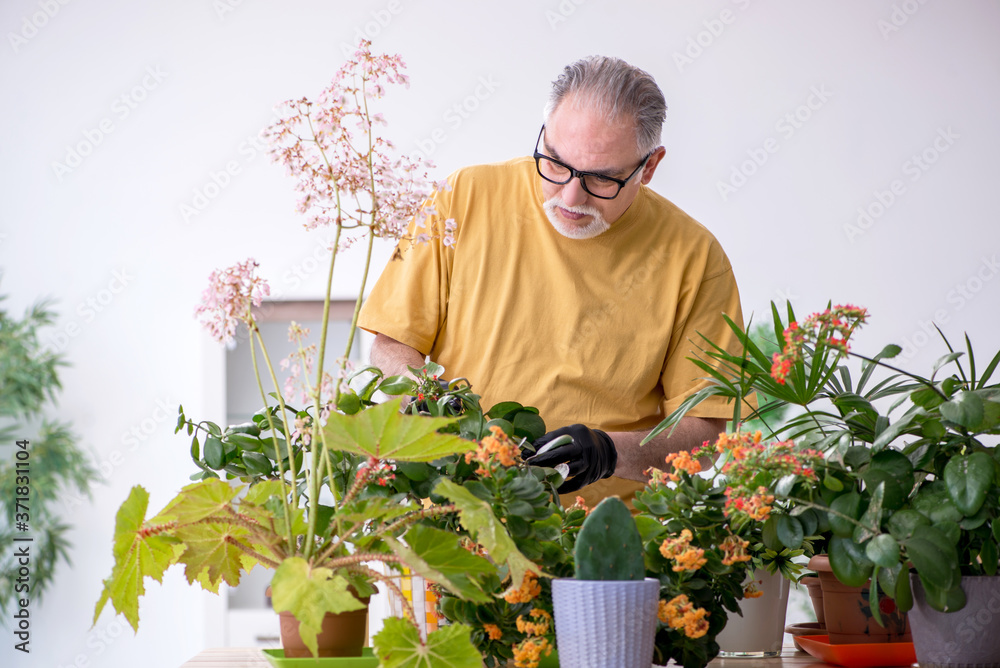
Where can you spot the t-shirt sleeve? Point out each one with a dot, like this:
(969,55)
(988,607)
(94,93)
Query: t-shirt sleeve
(409,302)
(700,321)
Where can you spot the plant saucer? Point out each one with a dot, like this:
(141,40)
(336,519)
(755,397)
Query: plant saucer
(862,655)
(276,657)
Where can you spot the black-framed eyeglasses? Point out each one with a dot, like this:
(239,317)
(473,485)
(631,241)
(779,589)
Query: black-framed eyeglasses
(601,186)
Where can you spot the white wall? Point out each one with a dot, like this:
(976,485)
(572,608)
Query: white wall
(894,76)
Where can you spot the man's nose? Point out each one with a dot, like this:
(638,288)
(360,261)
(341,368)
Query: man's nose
(573,193)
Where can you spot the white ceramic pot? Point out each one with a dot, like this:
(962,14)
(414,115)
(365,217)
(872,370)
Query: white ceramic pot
(761,630)
(602,623)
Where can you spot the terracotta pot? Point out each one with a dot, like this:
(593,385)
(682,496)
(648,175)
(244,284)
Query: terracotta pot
(847,611)
(342,634)
(814,586)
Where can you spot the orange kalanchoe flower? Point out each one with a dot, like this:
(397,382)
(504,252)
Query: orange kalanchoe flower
(679,550)
(751,591)
(832,328)
(495,449)
(493,631)
(528,653)
(680,614)
(734,550)
(527,592)
(682,461)
(536,628)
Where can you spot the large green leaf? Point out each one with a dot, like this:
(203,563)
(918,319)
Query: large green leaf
(210,551)
(965,408)
(438,556)
(384,433)
(477,516)
(849,562)
(309,593)
(884,551)
(138,554)
(398,645)
(197,501)
(968,478)
(933,557)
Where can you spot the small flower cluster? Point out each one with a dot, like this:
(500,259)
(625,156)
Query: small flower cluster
(734,550)
(680,614)
(528,653)
(229,298)
(345,172)
(748,458)
(830,328)
(376,471)
(494,450)
(682,461)
(752,591)
(756,505)
(679,550)
(528,590)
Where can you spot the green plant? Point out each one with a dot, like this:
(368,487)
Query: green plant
(911,486)
(308,491)
(42,461)
(608,546)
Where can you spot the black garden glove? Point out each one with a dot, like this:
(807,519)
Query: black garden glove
(591,456)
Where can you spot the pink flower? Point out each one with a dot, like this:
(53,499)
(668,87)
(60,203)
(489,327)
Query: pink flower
(229,297)
(347,175)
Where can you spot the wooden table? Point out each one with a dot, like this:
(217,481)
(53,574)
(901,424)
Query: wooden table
(248,657)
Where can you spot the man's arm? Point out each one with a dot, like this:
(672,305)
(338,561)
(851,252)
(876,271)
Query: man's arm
(633,459)
(393,357)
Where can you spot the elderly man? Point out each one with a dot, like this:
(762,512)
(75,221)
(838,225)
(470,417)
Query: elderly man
(571,286)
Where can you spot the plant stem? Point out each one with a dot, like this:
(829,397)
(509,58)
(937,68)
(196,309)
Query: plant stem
(270,423)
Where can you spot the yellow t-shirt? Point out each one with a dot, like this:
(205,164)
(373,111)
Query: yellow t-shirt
(594,331)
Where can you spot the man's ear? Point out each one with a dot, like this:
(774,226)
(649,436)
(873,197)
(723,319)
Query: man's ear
(650,168)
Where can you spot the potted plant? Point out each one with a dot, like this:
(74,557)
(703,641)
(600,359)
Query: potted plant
(907,490)
(606,614)
(304,489)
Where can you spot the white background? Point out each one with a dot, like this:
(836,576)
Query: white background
(107,238)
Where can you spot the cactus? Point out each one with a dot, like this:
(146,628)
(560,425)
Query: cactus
(608,546)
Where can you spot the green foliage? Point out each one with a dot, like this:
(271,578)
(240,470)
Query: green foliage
(608,546)
(59,476)
(916,483)
(398,645)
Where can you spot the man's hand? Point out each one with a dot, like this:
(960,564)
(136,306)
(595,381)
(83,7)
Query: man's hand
(590,456)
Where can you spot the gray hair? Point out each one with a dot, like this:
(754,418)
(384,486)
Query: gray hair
(616,90)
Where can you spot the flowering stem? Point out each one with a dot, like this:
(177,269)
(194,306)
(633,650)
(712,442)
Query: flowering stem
(420,514)
(387,581)
(253,553)
(251,323)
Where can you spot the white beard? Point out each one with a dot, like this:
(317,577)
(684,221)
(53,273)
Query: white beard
(596,226)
